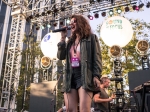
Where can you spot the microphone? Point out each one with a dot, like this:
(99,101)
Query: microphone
(62,29)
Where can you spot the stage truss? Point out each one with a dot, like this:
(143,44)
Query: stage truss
(39,11)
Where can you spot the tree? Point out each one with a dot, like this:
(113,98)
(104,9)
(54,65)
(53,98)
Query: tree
(131,60)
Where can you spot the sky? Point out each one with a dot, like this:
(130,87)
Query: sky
(141,15)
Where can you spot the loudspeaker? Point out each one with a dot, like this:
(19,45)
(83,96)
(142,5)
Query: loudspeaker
(42,98)
(135,79)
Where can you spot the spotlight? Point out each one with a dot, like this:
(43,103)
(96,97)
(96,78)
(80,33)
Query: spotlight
(142,47)
(61,23)
(127,9)
(141,5)
(103,14)
(55,24)
(111,12)
(137,8)
(115,51)
(43,14)
(46,61)
(119,10)
(43,26)
(37,28)
(68,21)
(96,15)
(62,8)
(134,7)
(55,10)
(48,25)
(31,16)
(37,15)
(90,17)
(148,5)
(49,11)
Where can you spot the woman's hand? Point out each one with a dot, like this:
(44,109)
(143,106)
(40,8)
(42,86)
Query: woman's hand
(96,82)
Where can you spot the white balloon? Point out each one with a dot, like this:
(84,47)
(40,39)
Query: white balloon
(116,31)
(49,44)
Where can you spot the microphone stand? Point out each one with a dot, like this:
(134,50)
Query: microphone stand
(54,91)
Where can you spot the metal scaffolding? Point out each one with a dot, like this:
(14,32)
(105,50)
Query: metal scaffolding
(13,59)
(21,9)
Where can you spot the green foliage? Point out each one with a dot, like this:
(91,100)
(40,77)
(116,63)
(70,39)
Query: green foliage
(130,59)
(27,70)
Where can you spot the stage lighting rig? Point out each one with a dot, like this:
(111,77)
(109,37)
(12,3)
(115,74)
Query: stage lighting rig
(127,9)
(148,5)
(96,15)
(46,62)
(141,48)
(111,12)
(119,10)
(103,14)
(115,51)
(141,5)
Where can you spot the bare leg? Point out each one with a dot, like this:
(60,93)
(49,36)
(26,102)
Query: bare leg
(71,100)
(85,100)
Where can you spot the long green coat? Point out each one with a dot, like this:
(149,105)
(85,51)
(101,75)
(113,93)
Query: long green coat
(91,62)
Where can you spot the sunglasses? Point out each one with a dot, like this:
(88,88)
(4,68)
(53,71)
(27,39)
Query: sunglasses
(73,21)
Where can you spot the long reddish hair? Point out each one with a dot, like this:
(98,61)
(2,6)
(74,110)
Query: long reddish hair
(83,27)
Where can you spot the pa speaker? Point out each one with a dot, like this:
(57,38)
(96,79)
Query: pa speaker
(42,98)
(137,78)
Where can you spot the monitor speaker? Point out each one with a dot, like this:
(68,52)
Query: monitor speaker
(42,98)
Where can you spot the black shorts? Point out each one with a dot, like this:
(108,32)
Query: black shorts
(76,78)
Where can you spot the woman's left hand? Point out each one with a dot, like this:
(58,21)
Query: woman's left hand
(96,82)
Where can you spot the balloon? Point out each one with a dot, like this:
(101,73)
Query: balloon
(49,44)
(116,31)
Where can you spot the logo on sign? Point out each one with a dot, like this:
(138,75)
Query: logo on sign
(46,38)
(114,24)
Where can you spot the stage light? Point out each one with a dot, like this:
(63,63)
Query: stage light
(62,8)
(115,51)
(49,12)
(43,26)
(46,61)
(103,14)
(55,24)
(142,47)
(111,12)
(31,16)
(48,25)
(148,5)
(96,15)
(141,5)
(90,17)
(61,22)
(137,8)
(55,10)
(68,21)
(119,10)
(127,9)
(134,7)
(43,14)
(37,15)
(37,28)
